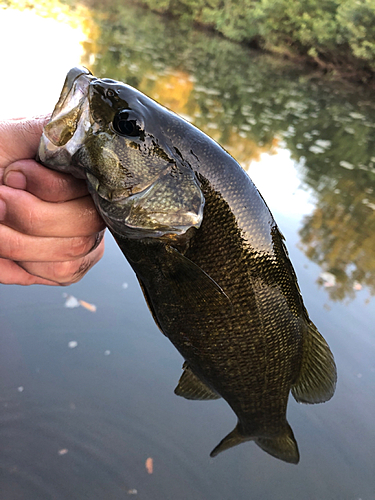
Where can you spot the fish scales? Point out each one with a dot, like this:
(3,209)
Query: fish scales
(206,250)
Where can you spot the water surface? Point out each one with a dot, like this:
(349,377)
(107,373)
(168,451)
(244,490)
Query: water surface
(80,420)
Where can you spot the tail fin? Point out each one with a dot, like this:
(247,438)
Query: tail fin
(283,446)
(232,439)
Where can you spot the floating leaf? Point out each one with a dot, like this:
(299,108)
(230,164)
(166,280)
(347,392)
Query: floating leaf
(87,305)
(150,465)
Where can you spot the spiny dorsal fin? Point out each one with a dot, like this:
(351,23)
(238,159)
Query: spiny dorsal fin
(317,379)
(191,387)
(284,447)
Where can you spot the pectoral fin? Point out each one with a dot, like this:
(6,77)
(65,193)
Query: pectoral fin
(317,379)
(190,281)
(191,387)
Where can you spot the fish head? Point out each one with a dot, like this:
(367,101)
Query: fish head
(124,144)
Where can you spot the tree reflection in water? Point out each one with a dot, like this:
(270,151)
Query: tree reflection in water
(253,104)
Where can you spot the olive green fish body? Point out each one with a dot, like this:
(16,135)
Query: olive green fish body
(206,250)
(230,340)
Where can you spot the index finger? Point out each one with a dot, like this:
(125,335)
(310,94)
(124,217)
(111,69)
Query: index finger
(20,138)
(42,182)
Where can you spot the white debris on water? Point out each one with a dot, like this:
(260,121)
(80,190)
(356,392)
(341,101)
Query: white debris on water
(323,143)
(349,130)
(71,301)
(107,353)
(72,344)
(357,116)
(20,388)
(367,202)
(63,451)
(125,286)
(316,149)
(329,279)
(346,164)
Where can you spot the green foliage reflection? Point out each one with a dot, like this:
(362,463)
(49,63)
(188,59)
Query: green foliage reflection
(251,103)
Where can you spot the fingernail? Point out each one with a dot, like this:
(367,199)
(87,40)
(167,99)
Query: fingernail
(15,179)
(3,209)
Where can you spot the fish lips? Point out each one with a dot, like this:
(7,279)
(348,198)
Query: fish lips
(63,134)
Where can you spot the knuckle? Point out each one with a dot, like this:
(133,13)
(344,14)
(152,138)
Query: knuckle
(84,266)
(62,272)
(12,248)
(80,246)
(61,186)
(69,272)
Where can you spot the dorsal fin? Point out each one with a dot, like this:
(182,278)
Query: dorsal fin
(317,379)
(191,387)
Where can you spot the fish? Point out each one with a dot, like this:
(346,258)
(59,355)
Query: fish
(207,252)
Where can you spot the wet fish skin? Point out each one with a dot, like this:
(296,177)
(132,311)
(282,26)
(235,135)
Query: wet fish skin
(206,250)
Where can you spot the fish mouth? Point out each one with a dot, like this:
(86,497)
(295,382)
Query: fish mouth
(63,134)
(69,108)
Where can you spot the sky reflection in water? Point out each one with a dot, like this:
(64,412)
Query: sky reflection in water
(309,147)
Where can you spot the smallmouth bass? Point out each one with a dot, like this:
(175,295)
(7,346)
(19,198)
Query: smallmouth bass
(206,250)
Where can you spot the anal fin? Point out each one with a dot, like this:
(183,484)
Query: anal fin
(191,387)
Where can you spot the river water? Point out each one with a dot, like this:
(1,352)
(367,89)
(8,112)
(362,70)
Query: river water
(87,403)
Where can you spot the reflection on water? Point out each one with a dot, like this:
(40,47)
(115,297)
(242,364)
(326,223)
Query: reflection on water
(54,36)
(251,107)
(249,103)
(84,423)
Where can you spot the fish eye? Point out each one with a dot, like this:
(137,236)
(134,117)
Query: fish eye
(124,125)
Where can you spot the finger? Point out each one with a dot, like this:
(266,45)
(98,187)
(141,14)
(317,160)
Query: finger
(46,184)
(64,273)
(13,274)
(22,247)
(21,137)
(30,215)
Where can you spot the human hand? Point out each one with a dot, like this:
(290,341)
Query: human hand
(50,232)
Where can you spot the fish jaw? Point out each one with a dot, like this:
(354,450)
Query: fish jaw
(69,123)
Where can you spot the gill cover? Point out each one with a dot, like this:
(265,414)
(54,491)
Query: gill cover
(170,205)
